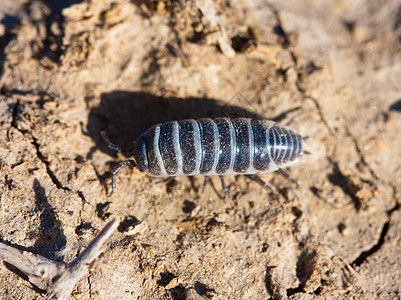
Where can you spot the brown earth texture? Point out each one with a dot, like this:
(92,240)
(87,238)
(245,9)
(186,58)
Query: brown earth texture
(71,69)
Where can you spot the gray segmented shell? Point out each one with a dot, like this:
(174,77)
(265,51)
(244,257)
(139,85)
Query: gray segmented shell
(219,146)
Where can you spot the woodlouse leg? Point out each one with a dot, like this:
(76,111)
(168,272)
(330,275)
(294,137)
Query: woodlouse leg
(223,185)
(288,176)
(166,180)
(132,163)
(262,182)
(207,179)
(293,119)
(114,146)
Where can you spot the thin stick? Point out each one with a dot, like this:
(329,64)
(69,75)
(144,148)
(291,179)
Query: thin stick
(40,270)
(64,285)
(56,278)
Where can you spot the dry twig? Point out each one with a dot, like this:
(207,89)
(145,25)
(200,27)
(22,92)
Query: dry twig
(58,279)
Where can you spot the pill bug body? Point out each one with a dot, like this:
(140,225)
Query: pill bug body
(219,146)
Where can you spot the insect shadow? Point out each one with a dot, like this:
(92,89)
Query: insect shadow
(126,115)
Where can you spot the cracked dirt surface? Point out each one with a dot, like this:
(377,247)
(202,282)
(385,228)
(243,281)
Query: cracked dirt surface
(70,70)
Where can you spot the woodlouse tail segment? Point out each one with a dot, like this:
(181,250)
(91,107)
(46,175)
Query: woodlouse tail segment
(305,152)
(131,162)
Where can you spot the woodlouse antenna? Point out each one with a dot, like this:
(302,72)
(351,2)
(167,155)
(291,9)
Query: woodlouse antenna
(130,162)
(112,146)
(109,144)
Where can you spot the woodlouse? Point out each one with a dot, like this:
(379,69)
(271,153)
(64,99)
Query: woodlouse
(219,146)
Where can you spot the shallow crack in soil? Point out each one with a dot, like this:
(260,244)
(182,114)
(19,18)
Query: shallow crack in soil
(91,294)
(319,110)
(41,157)
(52,175)
(47,165)
(360,153)
(286,44)
(365,254)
